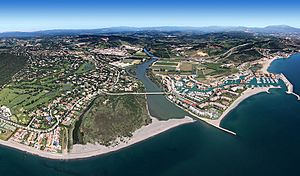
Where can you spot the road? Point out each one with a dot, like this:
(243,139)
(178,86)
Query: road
(137,93)
(231,50)
(2,119)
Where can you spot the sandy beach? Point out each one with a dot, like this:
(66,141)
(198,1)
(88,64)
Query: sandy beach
(91,150)
(156,127)
(247,93)
(266,64)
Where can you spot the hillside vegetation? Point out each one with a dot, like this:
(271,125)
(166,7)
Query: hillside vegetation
(10,65)
(114,116)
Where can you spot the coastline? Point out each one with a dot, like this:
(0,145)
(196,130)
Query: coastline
(246,94)
(156,127)
(91,150)
(266,63)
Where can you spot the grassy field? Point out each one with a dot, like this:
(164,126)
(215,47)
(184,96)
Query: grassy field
(21,101)
(256,67)
(85,67)
(114,116)
(166,63)
(140,54)
(212,69)
(36,87)
(24,97)
(163,68)
(215,69)
(6,131)
(186,67)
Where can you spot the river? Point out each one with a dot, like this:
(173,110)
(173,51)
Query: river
(158,105)
(267,144)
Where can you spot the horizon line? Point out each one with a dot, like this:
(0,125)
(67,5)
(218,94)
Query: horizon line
(137,27)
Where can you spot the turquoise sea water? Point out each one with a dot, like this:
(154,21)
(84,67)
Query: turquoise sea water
(267,143)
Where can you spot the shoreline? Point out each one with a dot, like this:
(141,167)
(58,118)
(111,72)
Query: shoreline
(157,127)
(267,63)
(205,120)
(246,94)
(80,151)
(250,92)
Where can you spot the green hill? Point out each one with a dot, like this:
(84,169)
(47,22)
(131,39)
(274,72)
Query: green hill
(10,65)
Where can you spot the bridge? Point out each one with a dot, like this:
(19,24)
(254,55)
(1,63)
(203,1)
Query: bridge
(137,93)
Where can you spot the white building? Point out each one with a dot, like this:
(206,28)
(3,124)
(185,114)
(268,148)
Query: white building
(5,112)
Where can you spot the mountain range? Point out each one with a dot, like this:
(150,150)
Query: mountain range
(277,29)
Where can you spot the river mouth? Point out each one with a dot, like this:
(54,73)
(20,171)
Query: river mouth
(159,106)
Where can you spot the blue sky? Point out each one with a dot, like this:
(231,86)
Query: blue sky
(31,15)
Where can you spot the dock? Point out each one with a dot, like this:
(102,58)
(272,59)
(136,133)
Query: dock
(289,85)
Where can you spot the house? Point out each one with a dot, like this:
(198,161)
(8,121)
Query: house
(5,112)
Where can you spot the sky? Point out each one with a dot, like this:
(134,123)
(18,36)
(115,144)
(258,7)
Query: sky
(32,15)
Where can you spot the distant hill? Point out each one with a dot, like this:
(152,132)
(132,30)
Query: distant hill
(267,30)
(276,29)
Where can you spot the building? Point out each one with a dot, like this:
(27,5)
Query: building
(5,112)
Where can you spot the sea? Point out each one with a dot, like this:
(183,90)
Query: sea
(267,144)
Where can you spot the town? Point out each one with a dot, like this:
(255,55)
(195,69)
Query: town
(63,76)
(57,84)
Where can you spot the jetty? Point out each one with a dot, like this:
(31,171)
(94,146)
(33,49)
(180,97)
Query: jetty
(207,121)
(289,85)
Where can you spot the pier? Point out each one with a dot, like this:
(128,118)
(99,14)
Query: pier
(289,85)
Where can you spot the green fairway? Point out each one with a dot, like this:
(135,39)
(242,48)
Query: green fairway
(86,67)
(25,97)
(166,63)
